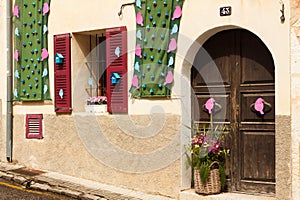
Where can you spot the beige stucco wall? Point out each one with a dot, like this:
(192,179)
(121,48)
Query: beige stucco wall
(2,80)
(295,97)
(64,149)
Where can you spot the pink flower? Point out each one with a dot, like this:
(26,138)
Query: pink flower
(97,100)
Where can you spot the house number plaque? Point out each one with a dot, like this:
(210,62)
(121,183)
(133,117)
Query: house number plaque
(225,11)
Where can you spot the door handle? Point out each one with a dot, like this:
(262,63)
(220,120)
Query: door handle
(261,106)
(211,106)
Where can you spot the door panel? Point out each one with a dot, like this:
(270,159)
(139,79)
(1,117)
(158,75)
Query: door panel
(249,115)
(238,71)
(222,116)
(257,145)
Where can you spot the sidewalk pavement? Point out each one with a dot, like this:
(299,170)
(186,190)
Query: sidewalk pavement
(70,186)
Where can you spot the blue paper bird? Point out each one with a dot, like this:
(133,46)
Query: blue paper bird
(61,93)
(45,72)
(90,81)
(137,66)
(171,61)
(45,89)
(17,32)
(117,52)
(16,93)
(45,29)
(138,4)
(17,75)
(139,35)
(174,29)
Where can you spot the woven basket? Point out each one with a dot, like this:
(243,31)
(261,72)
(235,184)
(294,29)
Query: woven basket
(213,183)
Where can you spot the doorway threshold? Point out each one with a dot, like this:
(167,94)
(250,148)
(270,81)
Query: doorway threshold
(191,195)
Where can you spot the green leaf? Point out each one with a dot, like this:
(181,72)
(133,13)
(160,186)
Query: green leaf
(204,172)
(222,176)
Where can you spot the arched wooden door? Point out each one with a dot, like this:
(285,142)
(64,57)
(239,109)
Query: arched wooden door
(240,71)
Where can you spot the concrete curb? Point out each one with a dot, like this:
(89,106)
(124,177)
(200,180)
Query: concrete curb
(70,186)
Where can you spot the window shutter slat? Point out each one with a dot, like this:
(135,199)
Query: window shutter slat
(34,128)
(62,74)
(116,56)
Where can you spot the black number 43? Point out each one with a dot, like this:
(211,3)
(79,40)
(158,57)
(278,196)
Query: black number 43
(225,11)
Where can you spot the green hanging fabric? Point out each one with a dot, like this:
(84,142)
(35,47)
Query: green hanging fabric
(31,73)
(156,44)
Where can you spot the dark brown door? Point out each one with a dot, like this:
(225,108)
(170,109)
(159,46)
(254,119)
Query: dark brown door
(236,69)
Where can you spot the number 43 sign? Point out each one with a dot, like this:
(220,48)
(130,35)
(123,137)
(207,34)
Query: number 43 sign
(225,11)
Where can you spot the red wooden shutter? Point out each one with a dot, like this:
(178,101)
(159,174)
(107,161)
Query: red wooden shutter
(116,41)
(34,126)
(62,74)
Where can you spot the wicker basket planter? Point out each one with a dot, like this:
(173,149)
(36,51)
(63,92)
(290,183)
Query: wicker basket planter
(213,183)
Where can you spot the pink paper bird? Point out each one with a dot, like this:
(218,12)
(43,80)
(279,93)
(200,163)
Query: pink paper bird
(172,45)
(44,54)
(169,78)
(177,13)
(209,105)
(16,55)
(259,105)
(16,11)
(139,19)
(138,50)
(45,8)
(135,81)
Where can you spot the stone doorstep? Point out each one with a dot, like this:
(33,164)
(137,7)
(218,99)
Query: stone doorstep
(191,195)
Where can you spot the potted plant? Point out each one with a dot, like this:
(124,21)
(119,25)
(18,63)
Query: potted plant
(208,156)
(97,104)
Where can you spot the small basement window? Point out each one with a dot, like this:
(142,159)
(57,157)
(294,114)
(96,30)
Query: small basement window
(34,126)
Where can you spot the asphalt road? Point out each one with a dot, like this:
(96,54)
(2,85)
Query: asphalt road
(10,191)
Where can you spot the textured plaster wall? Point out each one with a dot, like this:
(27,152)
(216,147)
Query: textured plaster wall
(61,150)
(3,60)
(283,158)
(3,74)
(295,96)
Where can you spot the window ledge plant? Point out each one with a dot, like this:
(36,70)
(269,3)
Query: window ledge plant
(97,100)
